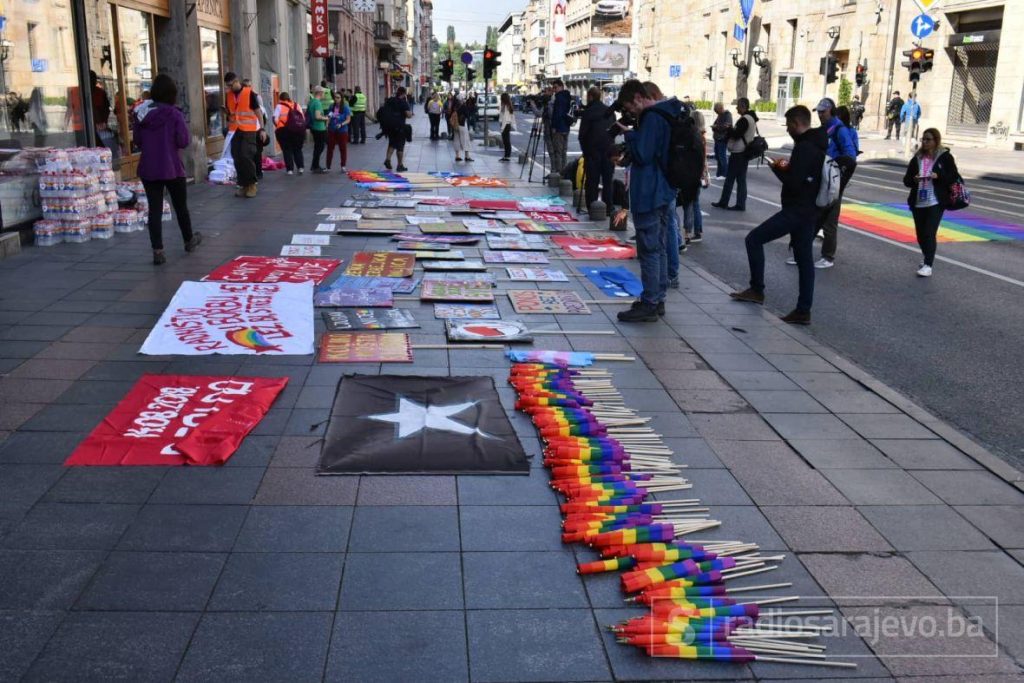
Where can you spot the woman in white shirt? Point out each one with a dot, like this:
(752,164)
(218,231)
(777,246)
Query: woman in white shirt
(507,123)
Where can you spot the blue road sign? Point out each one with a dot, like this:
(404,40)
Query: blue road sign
(922,26)
(467,57)
(675,70)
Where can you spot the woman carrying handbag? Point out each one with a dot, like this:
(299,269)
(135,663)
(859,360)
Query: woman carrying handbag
(933,178)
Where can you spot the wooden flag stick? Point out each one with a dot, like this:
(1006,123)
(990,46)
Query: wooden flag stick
(573,332)
(459,346)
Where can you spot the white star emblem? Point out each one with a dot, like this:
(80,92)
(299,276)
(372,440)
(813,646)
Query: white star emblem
(413,417)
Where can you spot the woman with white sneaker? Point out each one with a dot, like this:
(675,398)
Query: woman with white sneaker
(930,174)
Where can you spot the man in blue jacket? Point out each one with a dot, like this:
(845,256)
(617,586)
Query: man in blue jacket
(843,149)
(910,114)
(651,198)
(561,103)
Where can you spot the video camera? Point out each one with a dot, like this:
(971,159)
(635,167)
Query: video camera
(625,118)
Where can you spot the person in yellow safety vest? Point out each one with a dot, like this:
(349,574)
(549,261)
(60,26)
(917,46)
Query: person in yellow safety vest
(245,122)
(359,118)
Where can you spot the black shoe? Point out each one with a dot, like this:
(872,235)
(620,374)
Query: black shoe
(797,318)
(401,168)
(749,295)
(469,158)
(197,239)
(387,164)
(720,205)
(736,208)
(661,308)
(640,312)
(158,258)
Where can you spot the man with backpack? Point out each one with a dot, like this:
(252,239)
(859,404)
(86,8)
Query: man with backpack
(742,148)
(561,122)
(651,194)
(391,117)
(801,177)
(843,150)
(290,130)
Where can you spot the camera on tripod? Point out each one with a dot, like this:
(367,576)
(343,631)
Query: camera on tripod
(625,118)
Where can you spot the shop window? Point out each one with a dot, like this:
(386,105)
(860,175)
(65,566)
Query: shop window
(135,31)
(214,46)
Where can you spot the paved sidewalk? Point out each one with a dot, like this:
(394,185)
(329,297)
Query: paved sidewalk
(262,571)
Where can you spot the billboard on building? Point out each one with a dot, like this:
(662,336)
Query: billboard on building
(609,57)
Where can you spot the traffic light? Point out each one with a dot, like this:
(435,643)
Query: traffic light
(491,63)
(709,73)
(915,62)
(334,66)
(928,60)
(470,74)
(829,68)
(861,75)
(447,68)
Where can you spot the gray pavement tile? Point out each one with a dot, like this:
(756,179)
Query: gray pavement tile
(693,452)
(307,422)
(76,351)
(122,645)
(772,345)
(825,529)
(45,579)
(298,486)
(96,334)
(44,368)
(871,579)
(25,484)
(68,526)
(254,451)
(632,664)
(710,401)
(805,426)
(664,361)
(672,344)
(921,652)
(1005,620)
(506,490)
(644,400)
(432,646)
(184,528)
(814,382)
(15,415)
(14,390)
(774,401)
(925,527)
(522,580)
(417,490)
(67,418)
(313,529)
(963,574)
(404,528)
(33,332)
(1004,524)
(925,454)
(22,349)
(746,362)
(881,487)
(248,647)
(681,382)
(275,422)
(671,424)
(268,582)
(719,345)
(106,484)
(315,397)
(144,581)
(745,522)
(121,371)
(740,426)
(22,636)
(826,454)
(513,645)
(712,487)
(8,364)
(862,401)
(792,362)
(214,485)
(495,527)
(136,321)
(297,451)
(95,392)
(386,581)
(969,488)
(886,426)
(783,480)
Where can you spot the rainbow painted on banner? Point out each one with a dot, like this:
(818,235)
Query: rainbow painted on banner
(895,222)
(251,339)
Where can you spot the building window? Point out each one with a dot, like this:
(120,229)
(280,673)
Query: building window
(33,37)
(212,56)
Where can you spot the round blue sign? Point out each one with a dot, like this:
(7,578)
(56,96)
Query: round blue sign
(467,58)
(922,26)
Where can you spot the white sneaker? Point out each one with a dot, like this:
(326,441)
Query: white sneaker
(791,261)
(301,171)
(823,263)
(290,173)
(924,271)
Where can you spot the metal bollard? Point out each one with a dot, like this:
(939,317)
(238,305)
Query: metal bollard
(554,179)
(598,211)
(565,188)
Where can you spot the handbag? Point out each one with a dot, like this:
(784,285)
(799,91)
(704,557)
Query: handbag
(959,195)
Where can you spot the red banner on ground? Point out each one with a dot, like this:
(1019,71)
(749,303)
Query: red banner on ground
(179,420)
(494,204)
(274,269)
(318,15)
(595,249)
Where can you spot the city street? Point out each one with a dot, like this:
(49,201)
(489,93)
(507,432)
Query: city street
(952,342)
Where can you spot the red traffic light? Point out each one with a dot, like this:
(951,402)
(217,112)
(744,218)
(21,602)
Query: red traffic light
(488,54)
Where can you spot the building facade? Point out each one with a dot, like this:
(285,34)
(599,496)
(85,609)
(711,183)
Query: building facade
(511,43)
(597,44)
(351,39)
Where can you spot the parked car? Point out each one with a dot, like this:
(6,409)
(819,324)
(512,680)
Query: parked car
(493,105)
(612,8)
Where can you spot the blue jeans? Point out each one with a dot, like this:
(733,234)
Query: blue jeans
(800,225)
(652,229)
(672,243)
(693,219)
(737,173)
(720,156)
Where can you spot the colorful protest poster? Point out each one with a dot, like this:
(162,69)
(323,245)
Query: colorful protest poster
(368,319)
(398,285)
(444,276)
(381,264)
(536,275)
(321,240)
(444,311)
(365,347)
(517,243)
(535,258)
(274,269)
(486,331)
(441,239)
(439,254)
(439,228)
(421,246)
(595,249)
(443,290)
(534,226)
(551,216)
(179,420)
(370,297)
(540,301)
(445,265)
(299,250)
(326,227)
(235,318)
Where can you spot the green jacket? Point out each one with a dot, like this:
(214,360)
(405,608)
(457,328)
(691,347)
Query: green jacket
(360,104)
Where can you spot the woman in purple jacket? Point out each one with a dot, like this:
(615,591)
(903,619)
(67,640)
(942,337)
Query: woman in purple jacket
(160,131)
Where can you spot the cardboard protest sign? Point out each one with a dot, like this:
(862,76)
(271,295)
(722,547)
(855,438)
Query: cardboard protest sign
(536,275)
(371,296)
(365,347)
(486,331)
(349,319)
(540,301)
(438,290)
(381,264)
(515,257)
(443,311)
(274,269)
(299,250)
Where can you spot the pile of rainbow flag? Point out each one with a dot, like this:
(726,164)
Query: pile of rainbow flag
(608,464)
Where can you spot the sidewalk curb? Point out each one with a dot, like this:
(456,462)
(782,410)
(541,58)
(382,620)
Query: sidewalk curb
(953,436)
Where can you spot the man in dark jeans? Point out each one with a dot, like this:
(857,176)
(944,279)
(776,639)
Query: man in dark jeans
(892,115)
(358,106)
(801,178)
(596,144)
(739,137)
(720,133)
(561,103)
(245,119)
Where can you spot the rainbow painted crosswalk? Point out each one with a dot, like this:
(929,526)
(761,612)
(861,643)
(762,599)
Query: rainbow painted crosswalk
(895,222)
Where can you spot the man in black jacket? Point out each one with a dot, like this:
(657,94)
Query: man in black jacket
(892,115)
(596,144)
(801,178)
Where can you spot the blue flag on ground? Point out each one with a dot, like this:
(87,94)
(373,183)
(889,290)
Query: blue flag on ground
(617,281)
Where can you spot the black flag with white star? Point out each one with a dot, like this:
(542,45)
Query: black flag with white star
(398,424)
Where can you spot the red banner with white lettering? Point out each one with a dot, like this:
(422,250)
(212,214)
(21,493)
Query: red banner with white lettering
(318,13)
(179,420)
(274,269)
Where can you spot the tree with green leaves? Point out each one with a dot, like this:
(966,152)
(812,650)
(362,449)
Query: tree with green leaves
(451,34)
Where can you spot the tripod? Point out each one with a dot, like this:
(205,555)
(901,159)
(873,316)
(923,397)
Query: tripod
(532,145)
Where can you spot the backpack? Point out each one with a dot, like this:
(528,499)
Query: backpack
(387,116)
(828,189)
(295,122)
(757,147)
(685,158)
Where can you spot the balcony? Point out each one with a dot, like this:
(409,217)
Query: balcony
(382,32)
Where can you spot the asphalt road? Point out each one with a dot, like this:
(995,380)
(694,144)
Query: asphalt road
(953,342)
